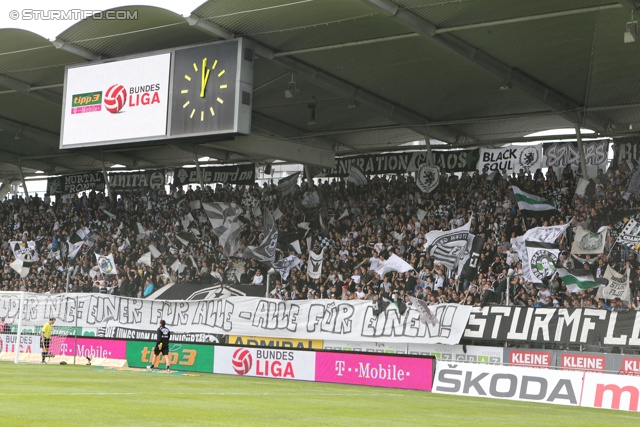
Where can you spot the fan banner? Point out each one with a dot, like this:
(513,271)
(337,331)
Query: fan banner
(561,154)
(374,164)
(235,174)
(544,325)
(427,178)
(510,158)
(73,184)
(131,181)
(244,316)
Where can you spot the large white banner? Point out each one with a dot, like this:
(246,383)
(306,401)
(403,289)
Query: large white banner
(131,318)
(116,101)
(510,159)
(509,382)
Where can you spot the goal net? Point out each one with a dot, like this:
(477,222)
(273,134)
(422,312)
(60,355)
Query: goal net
(21,339)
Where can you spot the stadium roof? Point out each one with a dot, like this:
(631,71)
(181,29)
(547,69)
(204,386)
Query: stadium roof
(379,73)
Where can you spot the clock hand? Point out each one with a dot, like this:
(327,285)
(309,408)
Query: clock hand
(205,77)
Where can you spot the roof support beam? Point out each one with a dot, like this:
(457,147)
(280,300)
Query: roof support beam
(76,50)
(631,4)
(275,148)
(516,78)
(339,87)
(21,87)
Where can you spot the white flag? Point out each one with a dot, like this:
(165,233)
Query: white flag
(586,242)
(276,214)
(421,214)
(145,259)
(394,263)
(617,286)
(296,246)
(154,251)
(106,264)
(344,214)
(314,266)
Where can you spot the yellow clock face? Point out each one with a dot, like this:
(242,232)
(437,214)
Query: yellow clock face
(203,89)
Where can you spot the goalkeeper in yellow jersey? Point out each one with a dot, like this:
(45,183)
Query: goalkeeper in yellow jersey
(162,346)
(45,338)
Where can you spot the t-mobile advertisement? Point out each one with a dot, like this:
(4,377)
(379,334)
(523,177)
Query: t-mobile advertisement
(370,369)
(108,349)
(415,373)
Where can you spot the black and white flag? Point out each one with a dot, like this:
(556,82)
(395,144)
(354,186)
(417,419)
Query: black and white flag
(427,178)
(617,285)
(311,199)
(226,225)
(266,251)
(285,265)
(630,234)
(468,267)
(314,266)
(356,175)
(20,249)
(288,184)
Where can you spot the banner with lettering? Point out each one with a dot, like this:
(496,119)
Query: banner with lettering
(626,149)
(447,161)
(234,174)
(588,326)
(73,184)
(510,158)
(247,316)
(130,181)
(560,154)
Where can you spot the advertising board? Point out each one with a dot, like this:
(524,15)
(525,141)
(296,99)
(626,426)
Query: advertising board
(182,356)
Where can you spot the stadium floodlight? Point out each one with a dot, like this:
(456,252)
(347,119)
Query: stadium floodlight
(291,89)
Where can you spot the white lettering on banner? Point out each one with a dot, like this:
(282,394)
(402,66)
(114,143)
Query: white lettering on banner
(562,154)
(610,391)
(549,325)
(510,159)
(529,358)
(631,364)
(582,362)
(245,316)
(508,382)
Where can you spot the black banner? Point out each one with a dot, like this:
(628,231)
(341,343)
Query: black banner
(624,149)
(555,325)
(560,154)
(129,181)
(448,161)
(72,184)
(235,174)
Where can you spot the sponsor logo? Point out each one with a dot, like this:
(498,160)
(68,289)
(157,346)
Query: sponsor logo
(503,384)
(86,102)
(582,362)
(274,342)
(615,395)
(529,358)
(242,361)
(631,364)
(115,98)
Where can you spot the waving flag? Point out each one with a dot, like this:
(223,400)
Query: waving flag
(314,266)
(288,184)
(266,251)
(285,265)
(577,280)
(531,204)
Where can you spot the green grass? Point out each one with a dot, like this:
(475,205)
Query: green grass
(56,395)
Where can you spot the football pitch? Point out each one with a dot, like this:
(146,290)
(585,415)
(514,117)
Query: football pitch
(67,395)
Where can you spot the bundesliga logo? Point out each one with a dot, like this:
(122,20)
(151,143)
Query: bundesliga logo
(115,98)
(242,361)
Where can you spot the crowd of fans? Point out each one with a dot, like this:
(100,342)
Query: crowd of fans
(381,219)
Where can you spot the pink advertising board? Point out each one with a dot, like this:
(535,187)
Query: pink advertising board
(109,349)
(415,373)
